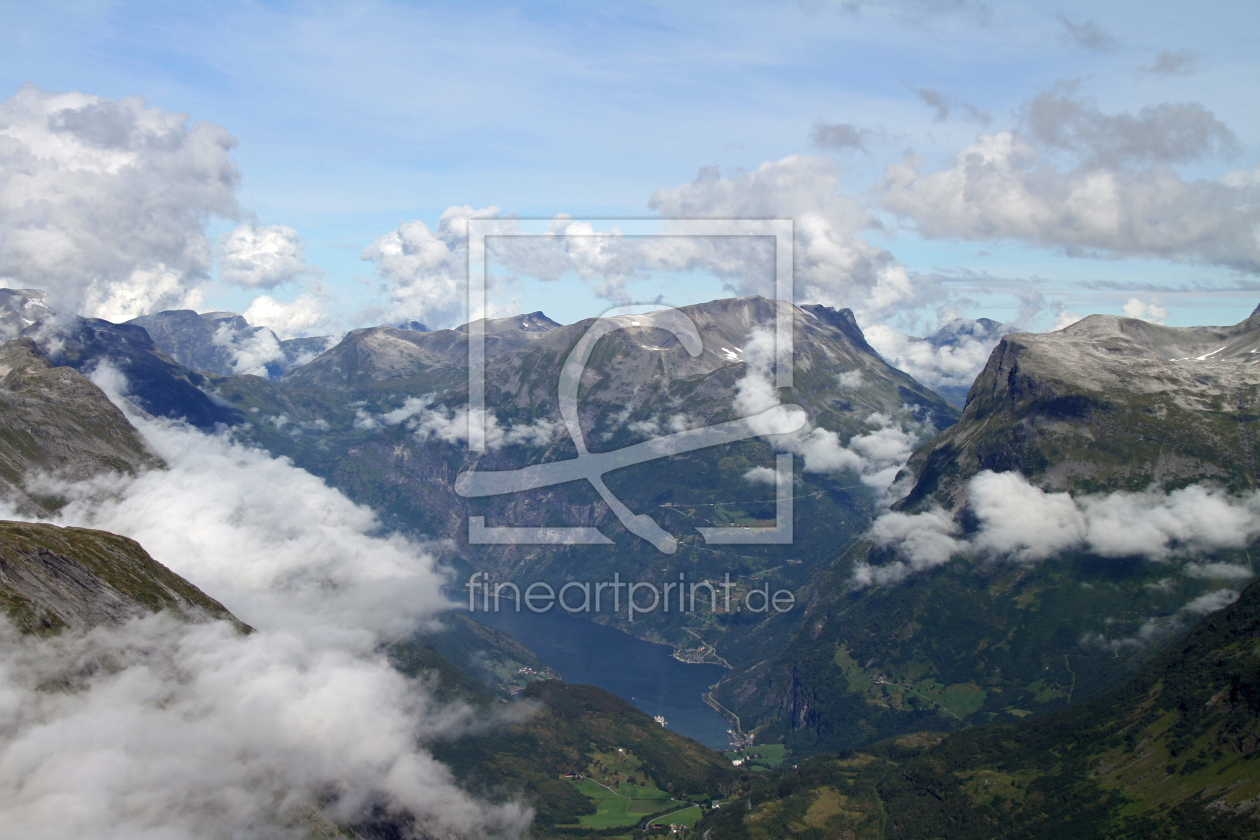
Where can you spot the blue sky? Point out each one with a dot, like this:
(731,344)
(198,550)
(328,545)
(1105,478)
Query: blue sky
(354,118)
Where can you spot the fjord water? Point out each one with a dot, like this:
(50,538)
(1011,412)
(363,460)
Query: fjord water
(640,672)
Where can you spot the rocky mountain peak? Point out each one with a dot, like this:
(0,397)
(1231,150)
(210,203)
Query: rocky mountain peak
(20,309)
(1107,402)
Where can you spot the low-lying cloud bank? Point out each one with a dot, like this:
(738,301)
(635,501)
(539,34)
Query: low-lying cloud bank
(163,729)
(1023,523)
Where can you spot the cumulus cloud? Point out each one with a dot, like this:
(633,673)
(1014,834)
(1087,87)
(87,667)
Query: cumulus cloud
(1171,132)
(103,202)
(999,187)
(262,257)
(924,541)
(762,475)
(425,271)
(833,263)
(1152,310)
(309,314)
(1019,522)
(949,360)
(1064,318)
(250,353)
(163,729)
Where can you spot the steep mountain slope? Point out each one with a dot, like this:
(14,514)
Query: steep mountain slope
(52,578)
(640,384)
(224,343)
(1169,754)
(54,420)
(580,729)
(1107,403)
(491,657)
(937,628)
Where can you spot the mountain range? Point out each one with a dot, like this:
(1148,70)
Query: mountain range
(986,591)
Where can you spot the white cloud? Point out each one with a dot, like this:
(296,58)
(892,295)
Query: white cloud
(1211,602)
(450,425)
(250,353)
(160,729)
(876,455)
(426,271)
(833,264)
(952,363)
(163,729)
(850,380)
(1063,318)
(999,187)
(1155,629)
(1020,522)
(309,314)
(1217,571)
(924,540)
(262,257)
(762,475)
(1151,311)
(103,202)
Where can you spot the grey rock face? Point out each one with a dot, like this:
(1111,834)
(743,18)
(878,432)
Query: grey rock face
(1107,403)
(54,420)
(19,310)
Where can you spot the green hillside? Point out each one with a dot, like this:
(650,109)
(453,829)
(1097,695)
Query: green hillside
(1174,752)
(582,730)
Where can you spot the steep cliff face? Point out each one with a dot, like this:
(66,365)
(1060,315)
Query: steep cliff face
(1107,403)
(54,420)
(53,578)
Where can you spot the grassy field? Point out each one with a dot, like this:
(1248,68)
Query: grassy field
(626,807)
(761,756)
(689,817)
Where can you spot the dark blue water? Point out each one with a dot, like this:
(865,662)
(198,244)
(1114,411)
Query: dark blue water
(643,673)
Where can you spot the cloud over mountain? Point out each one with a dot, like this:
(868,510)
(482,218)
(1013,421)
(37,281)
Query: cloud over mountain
(1020,522)
(103,202)
(175,730)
